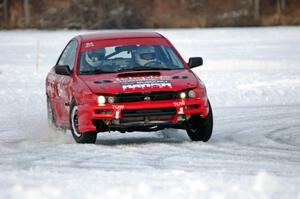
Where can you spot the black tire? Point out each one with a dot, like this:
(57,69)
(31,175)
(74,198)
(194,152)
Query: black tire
(200,129)
(86,137)
(51,116)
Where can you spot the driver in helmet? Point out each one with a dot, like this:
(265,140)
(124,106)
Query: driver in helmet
(146,56)
(95,57)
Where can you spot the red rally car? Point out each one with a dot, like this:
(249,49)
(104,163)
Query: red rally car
(126,81)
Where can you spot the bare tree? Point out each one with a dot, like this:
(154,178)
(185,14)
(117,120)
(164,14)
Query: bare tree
(26,11)
(5,13)
(278,2)
(256,9)
(283,4)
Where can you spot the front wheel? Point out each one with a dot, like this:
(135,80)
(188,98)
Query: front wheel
(200,129)
(87,137)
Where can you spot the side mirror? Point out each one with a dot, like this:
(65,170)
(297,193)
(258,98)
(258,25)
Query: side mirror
(195,61)
(62,70)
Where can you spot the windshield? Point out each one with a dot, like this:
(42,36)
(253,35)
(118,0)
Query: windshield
(115,59)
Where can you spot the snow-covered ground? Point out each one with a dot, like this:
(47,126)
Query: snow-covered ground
(253,80)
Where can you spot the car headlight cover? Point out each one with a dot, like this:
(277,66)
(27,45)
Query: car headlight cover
(111,99)
(182,95)
(191,94)
(101,99)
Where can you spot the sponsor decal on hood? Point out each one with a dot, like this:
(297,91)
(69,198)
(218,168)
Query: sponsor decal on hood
(133,83)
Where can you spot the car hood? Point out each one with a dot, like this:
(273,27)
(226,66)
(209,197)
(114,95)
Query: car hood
(140,81)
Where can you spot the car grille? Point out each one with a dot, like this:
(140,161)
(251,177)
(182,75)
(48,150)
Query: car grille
(148,115)
(151,96)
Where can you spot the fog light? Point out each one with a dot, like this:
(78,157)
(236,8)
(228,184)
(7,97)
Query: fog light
(192,107)
(111,100)
(182,95)
(103,111)
(181,117)
(115,121)
(101,100)
(191,94)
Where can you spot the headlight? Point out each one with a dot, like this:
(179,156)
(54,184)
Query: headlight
(101,99)
(182,95)
(191,94)
(111,99)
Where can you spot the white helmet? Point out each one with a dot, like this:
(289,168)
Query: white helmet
(144,55)
(95,57)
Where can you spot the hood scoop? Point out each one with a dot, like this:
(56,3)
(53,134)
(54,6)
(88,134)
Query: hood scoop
(179,77)
(103,81)
(139,74)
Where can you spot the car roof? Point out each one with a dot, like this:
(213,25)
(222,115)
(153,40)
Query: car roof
(118,35)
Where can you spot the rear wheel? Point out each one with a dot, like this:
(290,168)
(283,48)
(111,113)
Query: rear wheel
(200,129)
(86,137)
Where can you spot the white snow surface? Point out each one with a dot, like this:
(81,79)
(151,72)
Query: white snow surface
(253,81)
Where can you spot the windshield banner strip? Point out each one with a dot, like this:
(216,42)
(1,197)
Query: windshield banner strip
(91,45)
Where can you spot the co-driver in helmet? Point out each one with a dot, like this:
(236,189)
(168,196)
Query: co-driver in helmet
(95,57)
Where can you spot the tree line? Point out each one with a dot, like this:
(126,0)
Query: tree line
(98,14)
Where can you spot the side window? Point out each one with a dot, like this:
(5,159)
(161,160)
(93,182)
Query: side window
(69,55)
(174,58)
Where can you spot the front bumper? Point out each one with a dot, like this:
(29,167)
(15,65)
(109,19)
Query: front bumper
(111,114)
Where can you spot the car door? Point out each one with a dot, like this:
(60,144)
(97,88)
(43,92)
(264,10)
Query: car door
(64,82)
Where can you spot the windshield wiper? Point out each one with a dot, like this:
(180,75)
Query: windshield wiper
(141,68)
(149,68)
(96,71)
(138,68)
